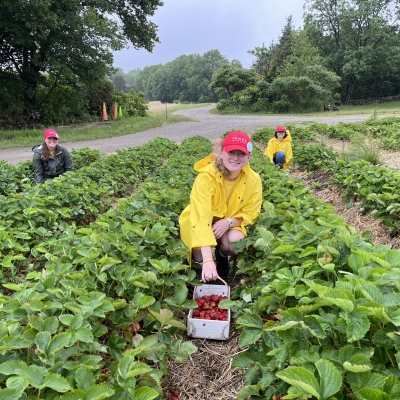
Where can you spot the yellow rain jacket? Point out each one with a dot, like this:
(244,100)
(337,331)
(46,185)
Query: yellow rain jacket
(274,145)
(207,201)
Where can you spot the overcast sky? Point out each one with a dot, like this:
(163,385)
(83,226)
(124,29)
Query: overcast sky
(196,26)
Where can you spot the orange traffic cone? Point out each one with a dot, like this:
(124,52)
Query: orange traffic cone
(105,116)
(115,111)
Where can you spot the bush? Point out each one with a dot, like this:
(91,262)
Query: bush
(62,105)
(132,103)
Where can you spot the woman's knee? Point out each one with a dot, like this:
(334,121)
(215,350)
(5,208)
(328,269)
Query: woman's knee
(227,241)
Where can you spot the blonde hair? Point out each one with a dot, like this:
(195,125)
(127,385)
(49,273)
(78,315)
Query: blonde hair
(220,167)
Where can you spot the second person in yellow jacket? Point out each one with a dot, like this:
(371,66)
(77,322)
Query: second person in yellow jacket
(279,149)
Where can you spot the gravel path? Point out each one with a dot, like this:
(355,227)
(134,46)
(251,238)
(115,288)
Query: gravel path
(208,125)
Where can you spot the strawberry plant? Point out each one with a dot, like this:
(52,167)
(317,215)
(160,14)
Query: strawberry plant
(327,289)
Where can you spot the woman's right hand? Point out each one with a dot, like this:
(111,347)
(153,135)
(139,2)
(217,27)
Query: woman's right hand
(209,272)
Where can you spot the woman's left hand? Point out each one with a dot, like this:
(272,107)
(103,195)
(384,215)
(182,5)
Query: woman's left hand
(220,227)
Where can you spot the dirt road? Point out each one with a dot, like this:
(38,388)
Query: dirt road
(207,125)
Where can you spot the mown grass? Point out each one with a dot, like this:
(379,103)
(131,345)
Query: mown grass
(96,130)
(384,108)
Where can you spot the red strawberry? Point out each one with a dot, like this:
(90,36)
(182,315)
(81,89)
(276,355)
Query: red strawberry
(214,298)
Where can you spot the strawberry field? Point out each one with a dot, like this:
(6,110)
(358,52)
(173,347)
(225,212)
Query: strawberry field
(94,280)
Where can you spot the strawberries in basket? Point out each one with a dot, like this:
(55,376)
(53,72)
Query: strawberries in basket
(208,308)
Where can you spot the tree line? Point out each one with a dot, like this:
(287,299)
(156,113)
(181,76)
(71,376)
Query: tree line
(345,50)
(56,61)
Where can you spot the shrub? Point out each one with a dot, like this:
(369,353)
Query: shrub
(132,103)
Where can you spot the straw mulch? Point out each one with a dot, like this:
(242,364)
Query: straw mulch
(207,374)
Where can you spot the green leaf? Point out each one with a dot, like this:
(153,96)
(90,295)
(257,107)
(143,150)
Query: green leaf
(313,325)
(82,334)
(302,379)
(266,239)
(56,382)
(10,394)
(9,367)
(145,393)
(319,289)
(286,248)
(339,298)
(182,350)
(165,317)
(84,379)
(42,340)
(76,322)
(355,262)
(357,324)
(282,327)
(146,301)
(124,366)
(250,321)
(99,392)
(17,383)
(393,257)
(330,378)
(372,394)
(59,341)
(248,391)
(13,286)
(181,293)
(358,363)
(138,369)
(249,336)
(33,374)
(96,392)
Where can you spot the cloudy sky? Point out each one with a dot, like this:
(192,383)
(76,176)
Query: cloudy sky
(196,26)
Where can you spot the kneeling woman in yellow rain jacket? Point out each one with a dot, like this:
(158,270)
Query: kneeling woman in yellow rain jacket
(226,197)
(279,149)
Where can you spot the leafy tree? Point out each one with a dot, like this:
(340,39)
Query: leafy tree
(119,83)
(236,63)
(305,60)
(68,40)
(228,80)
(263,60)
(118,78)
(359,40)
(142,80)
(131,77)
(267,60)
(283,48)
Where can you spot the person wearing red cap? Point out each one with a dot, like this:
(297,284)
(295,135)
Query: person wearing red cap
(279,148)
(226,197)
(49,158)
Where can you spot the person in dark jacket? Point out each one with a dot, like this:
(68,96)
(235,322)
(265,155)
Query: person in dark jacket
(50,160)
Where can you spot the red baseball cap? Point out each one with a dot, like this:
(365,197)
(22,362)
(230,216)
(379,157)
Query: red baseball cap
(237,141)
(280,129)
(50,133)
